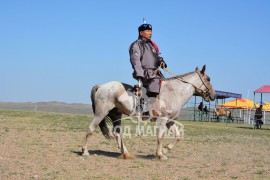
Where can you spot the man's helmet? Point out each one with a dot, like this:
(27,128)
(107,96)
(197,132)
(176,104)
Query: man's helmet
(145,27)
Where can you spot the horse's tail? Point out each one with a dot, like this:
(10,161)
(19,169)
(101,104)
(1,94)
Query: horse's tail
(103,124)
(104,127)
(93,92)
(111,122)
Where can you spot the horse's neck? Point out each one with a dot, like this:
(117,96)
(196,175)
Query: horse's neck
(181,91)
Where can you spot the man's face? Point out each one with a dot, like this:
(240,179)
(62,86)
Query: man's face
(146,34)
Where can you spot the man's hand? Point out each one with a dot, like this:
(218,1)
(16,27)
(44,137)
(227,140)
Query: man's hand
(163,64)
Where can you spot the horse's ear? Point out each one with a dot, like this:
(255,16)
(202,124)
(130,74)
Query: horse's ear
(197,69)
(203,69)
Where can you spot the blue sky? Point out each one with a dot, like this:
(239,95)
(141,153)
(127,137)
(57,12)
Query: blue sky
(57,50)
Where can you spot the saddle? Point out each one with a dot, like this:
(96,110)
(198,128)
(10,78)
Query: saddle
(139,104)
(130,88)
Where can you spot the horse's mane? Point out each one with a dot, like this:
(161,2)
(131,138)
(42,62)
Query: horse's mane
(178,76)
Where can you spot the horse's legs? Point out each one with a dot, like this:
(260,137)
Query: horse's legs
(124,152)
(115,116)
(161,131)
(176,132)
(90,131)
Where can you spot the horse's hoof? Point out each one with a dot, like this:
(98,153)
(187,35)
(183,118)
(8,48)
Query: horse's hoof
(163,158)
(165,150)
(127,156)
(86,156)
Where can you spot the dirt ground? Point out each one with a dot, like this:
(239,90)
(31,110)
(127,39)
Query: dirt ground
(48,146)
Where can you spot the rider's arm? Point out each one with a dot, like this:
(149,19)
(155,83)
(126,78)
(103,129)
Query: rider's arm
(135,54)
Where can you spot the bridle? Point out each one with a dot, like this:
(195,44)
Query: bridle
(198,90)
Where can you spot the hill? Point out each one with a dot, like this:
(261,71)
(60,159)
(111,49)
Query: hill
(75,108)
(54,106)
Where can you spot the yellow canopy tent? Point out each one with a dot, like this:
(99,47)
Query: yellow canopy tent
(242,103)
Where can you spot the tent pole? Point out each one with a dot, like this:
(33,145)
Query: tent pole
(254,97)
(194,108)
(254,100)
(208,111)
(264,116)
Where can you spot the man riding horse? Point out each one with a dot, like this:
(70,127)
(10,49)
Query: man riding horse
(111,100)
(145,59)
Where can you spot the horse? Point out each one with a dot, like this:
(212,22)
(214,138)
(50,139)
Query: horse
(111,100)
(223,112)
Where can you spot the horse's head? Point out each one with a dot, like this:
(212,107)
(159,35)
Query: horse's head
(205,88)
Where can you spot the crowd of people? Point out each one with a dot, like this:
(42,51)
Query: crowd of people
(203,110)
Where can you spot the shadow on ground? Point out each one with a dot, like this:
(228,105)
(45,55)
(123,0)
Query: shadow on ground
(262,129)
(113,154)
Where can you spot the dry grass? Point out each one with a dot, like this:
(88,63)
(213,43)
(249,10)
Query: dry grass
(47,146)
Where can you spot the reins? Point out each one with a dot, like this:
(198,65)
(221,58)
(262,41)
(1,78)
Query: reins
(175,75)
(181,79)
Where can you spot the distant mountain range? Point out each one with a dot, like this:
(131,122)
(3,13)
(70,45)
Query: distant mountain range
(60,107)
(54,106)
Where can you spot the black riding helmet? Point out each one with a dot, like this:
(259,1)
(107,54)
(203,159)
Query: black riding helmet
(145,27)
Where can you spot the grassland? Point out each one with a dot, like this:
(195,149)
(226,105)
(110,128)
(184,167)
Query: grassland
(40,145)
